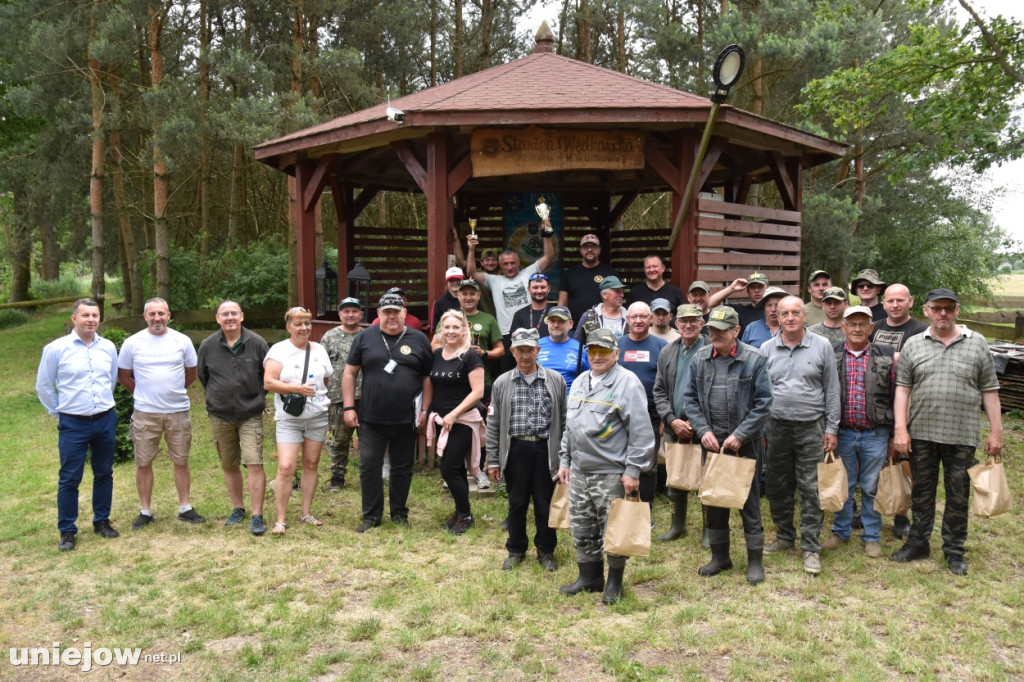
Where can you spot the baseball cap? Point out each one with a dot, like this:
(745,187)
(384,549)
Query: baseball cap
(349,302)
(936,294)
(602,338)
(757,278)
(870,276)
(590,239)
(525,337)
(771,292)
(390,301)
(699,284)
(396,290)
(689,310)
(611,282)
(454,273)
(857,310)
(559,311)
(469,283)
(835,292)
(661,304)
(488,253)
(817,273)
(723,317)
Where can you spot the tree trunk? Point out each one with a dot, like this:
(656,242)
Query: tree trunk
(51,251)
(457,46)
(433,42)
(160,179)
(236,215)
(486,28)
(205,143)
(293,200)
(620,39)
(96,176)
(131,277)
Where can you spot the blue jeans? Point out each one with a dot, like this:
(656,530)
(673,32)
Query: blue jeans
(863,453)
(75,438)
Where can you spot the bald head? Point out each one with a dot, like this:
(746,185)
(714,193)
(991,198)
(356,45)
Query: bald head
(638,318)
(897,304)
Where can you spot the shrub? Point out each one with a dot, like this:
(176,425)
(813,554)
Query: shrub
(124,403)
(67,285)
(12,317)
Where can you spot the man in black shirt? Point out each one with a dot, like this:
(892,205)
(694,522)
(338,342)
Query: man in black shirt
(580,285)
(654,285)
(869,288)
(532,316)
(749,313)
(898,325)
(449,300)
(395,361)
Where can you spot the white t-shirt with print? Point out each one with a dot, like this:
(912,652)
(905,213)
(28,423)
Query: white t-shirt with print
(292,360)
(509,294)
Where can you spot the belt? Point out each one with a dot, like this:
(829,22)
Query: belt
(859,429)
(529,439)
(87,417)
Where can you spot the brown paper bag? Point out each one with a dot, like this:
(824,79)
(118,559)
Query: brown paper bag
(558,510)
(726,480)
(628,531)
(683,465)
(833,485)
(991,491)
(893,495)
(661,452)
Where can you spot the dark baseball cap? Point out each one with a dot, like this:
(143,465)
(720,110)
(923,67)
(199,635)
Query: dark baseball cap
(936,294)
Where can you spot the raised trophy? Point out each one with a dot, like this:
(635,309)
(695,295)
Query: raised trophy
(472,226)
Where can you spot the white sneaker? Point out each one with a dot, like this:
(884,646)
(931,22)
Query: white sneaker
(482,482)
(385,471)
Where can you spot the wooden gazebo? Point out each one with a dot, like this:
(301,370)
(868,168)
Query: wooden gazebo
(549,124)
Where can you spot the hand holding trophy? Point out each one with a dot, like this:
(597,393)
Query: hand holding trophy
(544,211)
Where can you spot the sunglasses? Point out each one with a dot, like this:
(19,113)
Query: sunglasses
(538,276)
(598,351)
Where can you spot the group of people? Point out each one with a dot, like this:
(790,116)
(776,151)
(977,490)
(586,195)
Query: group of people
(518,397)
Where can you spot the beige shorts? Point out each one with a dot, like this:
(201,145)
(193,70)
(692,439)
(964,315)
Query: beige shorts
(148,427)
(240,443)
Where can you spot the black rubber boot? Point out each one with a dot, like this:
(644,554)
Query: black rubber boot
(705,542)
(613,586)
(591,579)
(678,527)
(755,559)
(720,560)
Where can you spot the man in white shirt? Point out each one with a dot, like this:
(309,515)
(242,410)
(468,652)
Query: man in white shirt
(157,365)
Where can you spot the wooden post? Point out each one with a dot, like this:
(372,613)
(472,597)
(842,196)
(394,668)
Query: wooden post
(439,213)
(684,254)
(305,238)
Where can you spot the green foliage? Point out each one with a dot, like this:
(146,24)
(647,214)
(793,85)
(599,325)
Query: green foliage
(67,285)
(254,276)
(12,317)
(124,403)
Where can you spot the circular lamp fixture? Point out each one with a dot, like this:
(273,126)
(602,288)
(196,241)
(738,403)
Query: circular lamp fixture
(728,69)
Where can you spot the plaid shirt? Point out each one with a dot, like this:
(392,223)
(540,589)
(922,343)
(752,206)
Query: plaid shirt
(855,407)
(530,413)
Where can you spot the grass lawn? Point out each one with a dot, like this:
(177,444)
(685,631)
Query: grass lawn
(415,603)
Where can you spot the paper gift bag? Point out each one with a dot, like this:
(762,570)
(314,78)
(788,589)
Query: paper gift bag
(991,492)
(726,480)
(558,510)
(661,452)
(683,465)
(628,531)
(833,485)
(893,495)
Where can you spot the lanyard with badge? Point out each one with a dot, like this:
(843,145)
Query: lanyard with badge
(390,367)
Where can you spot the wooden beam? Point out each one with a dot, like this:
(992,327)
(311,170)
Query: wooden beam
(407,155)
(305,238)
(684,253)
(439,212)
(345,238)
(459,175)
(623,204)
(317,181)
(363,200)
(711,156)
(665,169)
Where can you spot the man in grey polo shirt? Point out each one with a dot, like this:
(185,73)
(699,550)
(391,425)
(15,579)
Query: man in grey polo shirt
(802,427)
(942,377)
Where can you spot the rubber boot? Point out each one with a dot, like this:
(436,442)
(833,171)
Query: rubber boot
(705,541)
(613,586)
(678,527)
(591,579)
(755,559)
(720,560)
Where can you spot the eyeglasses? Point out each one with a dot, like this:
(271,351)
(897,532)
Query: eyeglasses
(948,309)
(638,317)
(858,325)
(590,246)
(865,285)
(598,351)
(689,321)
(538,276)
(229,313)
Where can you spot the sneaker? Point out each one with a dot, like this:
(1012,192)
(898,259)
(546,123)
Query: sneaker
(451,520)
(833,541)
(513,560)
(779,545)
(237,516)
(367,525)
(547,561)
(873,549)
(105,529)
(462,523)
(141,521)
(337,483)
(812,563)
(258,525)
(482,482)
(191,516)
(67,541)
(385,471)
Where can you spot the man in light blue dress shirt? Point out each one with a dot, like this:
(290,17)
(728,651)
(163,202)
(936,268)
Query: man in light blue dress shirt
(75,383)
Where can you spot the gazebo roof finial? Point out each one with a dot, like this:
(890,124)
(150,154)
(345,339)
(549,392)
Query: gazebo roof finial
(545,39)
